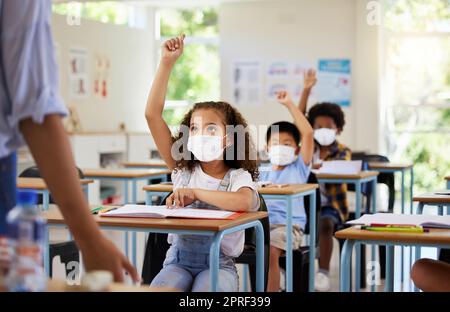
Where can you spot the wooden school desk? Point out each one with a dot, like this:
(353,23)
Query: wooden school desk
(288,194)
(431,199)
(39,186)
(357,180)
(161,165)
(127,176)
(354,236)
(214,228)
(388,167)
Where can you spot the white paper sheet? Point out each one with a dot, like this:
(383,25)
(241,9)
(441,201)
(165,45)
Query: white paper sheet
(401,219)
(341,167)
(163,212)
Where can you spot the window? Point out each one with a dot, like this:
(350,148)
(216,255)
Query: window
(105,12)
(416,87)
(196,76)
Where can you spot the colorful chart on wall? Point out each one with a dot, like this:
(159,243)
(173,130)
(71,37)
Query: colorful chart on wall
(298,70)
(78,73)
(247,83)
(334,81)
(277,78)
(101,75)
(285,76)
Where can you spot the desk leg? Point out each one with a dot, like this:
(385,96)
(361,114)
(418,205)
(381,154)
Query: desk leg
(133,234)
(374,210)
(148,198)
(440,210)
(312,239)
(214,262)
(125,201)
(358,246)
(411,211)
(402,249)
(244,277)
(419,210)
(289,246)
(346,266)
(86,191)
(411,190)
(389,286)
(45,199)
(259,257)
(417,248)
(46,251)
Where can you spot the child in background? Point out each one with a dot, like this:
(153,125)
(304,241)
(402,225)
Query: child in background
(328,121)
(289,164)
(206,174)
(431,275)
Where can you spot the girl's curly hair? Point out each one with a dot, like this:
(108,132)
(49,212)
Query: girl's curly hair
(231,117)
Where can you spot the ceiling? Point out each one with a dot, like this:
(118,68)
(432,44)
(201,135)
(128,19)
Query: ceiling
(166,2)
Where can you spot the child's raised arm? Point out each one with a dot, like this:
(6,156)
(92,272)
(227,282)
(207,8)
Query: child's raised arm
(309,79)
(306,131)
(171,51)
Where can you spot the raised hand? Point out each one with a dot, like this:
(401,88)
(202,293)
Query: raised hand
(172,49)
(284,98)
(309,79)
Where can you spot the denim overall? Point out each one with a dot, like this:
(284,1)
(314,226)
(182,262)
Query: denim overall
(186,266)
(7,188)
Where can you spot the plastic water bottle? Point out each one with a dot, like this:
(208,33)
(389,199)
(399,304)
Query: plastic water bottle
(26,232)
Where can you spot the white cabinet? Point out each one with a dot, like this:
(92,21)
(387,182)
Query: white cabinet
(140,147)
(92,150)
(112,144)
(96,150)
(85,151)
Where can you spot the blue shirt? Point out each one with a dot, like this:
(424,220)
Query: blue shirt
(28,70)
(294,173)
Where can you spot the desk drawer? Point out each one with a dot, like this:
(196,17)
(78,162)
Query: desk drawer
(112,144)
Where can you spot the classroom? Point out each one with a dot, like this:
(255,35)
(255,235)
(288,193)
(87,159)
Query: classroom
(186,146)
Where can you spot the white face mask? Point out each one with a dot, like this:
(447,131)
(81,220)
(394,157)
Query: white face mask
(205,147)
(281,155)
(325,136)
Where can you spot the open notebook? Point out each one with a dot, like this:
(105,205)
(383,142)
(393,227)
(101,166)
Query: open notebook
(427,221)
(340,167)
(144,211)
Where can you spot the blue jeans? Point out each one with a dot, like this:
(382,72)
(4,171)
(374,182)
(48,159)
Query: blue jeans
(7,189)
(189,271)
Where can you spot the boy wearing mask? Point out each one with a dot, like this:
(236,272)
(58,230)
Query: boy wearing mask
(290,164)
(328,121)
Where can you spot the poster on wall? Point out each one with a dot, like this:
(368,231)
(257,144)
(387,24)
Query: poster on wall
(78,73)
(286,76)
(101,75)
(298,70)
(334,81)
(277,78)
(247,83)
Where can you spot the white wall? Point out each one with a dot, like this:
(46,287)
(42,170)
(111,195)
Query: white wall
(131,52)
(305,30)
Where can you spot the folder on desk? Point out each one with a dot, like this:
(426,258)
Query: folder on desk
(159,212)
(380,219)
(341,167)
